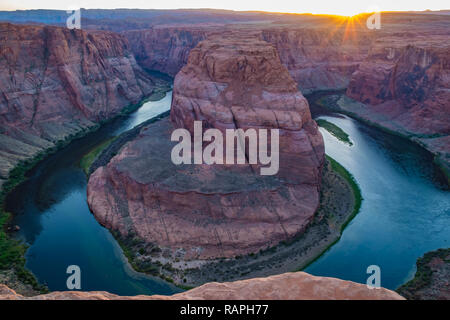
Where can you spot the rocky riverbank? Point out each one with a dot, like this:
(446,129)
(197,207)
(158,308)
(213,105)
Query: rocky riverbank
(437,144)
(60,84)
(57,85)
(432,278)
(209,211)
(340,200)
(12,262)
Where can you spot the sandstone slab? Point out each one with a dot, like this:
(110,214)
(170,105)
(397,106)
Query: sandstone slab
(287,286)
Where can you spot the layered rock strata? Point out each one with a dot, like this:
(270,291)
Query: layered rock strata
(56,82)
(164,49)
(315,57)
(405,87)
(320,59)
(399,73)
(211,211)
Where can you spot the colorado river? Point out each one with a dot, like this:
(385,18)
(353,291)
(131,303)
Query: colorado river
(404,213)
(52,212)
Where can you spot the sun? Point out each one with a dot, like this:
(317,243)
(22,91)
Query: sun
(354,11)
(349,13)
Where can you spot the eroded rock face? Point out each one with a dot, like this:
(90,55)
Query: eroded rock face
(413,78)
(211,211)
(56,82)
(404,85)
(164,49)
(236,81)
(400,72)
(287,286)
(320,59)
(316,58)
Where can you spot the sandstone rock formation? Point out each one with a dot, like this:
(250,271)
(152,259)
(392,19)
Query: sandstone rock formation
(56,82)
(287,286)
(405,87)
(400,72)
(235,81)
(315,57)
(165,49)
(211,211)
(432,278)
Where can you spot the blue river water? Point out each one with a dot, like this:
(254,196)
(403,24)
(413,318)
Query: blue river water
(52,212)
(405,213)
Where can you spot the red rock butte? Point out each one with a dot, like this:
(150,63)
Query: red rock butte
(211,211)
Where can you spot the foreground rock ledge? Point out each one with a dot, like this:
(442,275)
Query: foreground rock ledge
(287,286)
(208,212)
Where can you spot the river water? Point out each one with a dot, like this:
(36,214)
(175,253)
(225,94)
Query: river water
(52,212)
(404,214)
(405,211)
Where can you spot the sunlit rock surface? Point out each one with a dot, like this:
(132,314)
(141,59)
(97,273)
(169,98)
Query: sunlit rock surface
(202,211)
(56,82)
(287,286)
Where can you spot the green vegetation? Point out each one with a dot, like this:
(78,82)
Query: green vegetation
(444,166)
(339,169)
(331,102)
(12,254)
(335,131)
(90,157)
(12,251)
(353,184)
(133,246)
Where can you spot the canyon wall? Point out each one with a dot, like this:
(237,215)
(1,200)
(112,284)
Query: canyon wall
(164,49)
(413,75)
(211,211)
(315,57)
(405,86)
(320,59)
(399,74)
(56,82)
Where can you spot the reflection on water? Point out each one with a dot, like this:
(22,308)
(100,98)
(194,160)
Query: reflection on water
(52,211)
(405,211)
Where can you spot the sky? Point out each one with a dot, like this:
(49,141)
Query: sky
(342,7)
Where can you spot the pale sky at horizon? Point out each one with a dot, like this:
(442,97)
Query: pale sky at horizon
(344,7)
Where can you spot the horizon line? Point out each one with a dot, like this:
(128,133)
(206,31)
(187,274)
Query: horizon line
(230,10)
